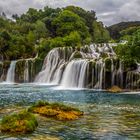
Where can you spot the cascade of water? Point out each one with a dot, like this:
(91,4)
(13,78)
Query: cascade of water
(52,66)
(11,73)
(74,74)
(120,75)
(133,80)
(138,69)
(71,67)
(100,74)
(26,72)
(113,71)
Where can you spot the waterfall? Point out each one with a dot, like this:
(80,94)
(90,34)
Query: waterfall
(84,67)
(120,74)
(69,67)
(75,74)
(11,73)
(52,63)
(133,79)
(100,74)
(113,71)
(26,72)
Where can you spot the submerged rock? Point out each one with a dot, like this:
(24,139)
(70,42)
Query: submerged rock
(115,89)
(22,122)
(46,137)
(56,110)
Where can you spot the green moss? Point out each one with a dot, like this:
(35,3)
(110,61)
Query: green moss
(23,122)
(104,55)
(76,54)
(19,71)
(37,65)
(108,64)
(63,107)
(1,69)
(129,64)
(40,103)
(55,110)
(6,64)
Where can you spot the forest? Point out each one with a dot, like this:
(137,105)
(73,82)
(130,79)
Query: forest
(38,31)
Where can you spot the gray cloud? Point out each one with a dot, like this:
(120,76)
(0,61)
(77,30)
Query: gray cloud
(108,11)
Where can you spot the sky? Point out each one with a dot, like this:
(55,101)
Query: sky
(107,11)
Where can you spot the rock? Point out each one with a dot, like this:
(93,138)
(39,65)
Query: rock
(22,122)
(56,110)
(115,89)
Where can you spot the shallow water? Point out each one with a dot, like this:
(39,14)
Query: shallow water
(107,116)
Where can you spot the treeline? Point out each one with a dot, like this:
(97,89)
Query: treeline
(38,31)
(130,51)
(115,30)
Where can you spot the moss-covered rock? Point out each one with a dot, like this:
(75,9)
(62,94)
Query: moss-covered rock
(19,71)
(32,65)
(1,69)
(115,89)
(76,55)
(104,55)
(129,65)
(56,110)
(108,63)
(22,122)
(4,66)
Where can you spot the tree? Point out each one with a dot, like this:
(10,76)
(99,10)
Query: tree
(100,34)
(68,22)
(41,30)
(31,16)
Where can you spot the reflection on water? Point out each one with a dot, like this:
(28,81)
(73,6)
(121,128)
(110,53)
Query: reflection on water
(107,116)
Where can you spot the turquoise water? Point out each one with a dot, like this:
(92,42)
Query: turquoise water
(107,116)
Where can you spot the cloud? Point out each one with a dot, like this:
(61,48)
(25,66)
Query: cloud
(108,11)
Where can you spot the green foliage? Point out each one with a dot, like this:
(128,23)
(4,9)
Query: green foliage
(39,31)
(100,34)
(115,30)
(129,52)
(68,22)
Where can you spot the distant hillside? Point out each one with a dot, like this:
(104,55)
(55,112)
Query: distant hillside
(117,28)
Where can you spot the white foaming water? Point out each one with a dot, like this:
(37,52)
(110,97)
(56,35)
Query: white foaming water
(75,74)
(82,68)
(11,73)
(26,72)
